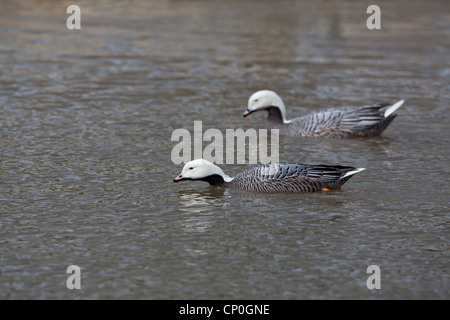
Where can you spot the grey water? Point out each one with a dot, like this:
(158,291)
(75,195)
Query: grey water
(85,139)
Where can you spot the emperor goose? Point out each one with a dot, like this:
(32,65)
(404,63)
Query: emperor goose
(271,177)
(331,123)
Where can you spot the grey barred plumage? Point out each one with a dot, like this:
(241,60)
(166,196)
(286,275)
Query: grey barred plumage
(272,177)
(331,123)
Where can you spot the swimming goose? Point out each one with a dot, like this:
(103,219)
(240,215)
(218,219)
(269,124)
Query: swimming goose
(331,123)
(271,177)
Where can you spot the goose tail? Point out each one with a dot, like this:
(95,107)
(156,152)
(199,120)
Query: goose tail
(393,108)
(351,173)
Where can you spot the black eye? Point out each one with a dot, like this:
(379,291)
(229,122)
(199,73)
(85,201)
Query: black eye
(256,100)
(191,168)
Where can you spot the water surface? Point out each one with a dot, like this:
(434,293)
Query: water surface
(86,173)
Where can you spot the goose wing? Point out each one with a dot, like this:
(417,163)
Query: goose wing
(361,118)
(339,121)
(288,177)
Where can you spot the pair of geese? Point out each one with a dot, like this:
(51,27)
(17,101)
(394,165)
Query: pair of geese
(293,178)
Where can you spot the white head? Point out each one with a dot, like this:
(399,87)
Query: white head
(263,100)
(201,169)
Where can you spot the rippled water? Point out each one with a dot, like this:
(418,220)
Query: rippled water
(86,173)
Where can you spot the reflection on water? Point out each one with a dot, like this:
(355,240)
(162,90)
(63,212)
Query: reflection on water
(85,167)
(199,207)
(195,201)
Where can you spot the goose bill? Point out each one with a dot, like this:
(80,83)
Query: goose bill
(247,112)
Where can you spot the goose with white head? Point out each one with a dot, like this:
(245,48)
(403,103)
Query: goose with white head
(364,121)
(271,177)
